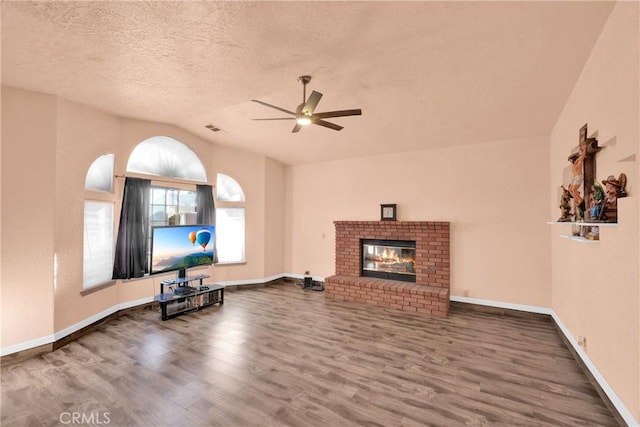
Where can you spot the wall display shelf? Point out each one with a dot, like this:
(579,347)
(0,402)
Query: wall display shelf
(185,299)
(595,238)
(578,238)
(589,224)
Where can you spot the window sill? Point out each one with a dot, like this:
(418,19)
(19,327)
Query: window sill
(96,288)
(230,263)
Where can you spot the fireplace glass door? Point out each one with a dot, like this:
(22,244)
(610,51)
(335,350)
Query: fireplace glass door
(389,259)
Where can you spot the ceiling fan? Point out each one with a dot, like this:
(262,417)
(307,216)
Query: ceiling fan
(304,114)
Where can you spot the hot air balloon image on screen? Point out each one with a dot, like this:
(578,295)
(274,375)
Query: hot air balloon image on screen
(181,246)
(202,237)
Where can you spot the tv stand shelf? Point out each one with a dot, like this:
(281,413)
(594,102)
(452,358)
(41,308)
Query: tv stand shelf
(188,299)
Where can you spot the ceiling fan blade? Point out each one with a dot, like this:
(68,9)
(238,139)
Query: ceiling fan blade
(312,102)
(342,113)
(327,124)
(273,106)
(278,118)
(296,128)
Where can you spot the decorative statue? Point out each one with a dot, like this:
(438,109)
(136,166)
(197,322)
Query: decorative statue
(578,178)
(614,189)
(596,199)
(578,175)
(594,233)
(565,205)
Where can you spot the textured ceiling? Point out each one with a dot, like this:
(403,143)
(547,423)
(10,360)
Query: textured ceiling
(425,74)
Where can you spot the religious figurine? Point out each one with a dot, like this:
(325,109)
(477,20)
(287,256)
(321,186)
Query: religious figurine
(565,205)
(596,200)
(577,180)
(614,189)
(594,233)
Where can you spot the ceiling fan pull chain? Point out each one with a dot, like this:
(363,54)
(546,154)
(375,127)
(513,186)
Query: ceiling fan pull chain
(304,92)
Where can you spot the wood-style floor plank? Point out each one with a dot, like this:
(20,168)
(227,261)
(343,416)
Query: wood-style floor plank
(281,356)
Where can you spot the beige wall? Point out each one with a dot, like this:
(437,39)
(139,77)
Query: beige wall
(274,213)
(28,204)
(48,145)
(83,135)
(595,287)
(494,195)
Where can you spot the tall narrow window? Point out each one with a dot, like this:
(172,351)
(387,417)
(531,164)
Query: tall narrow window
(98,243)
(97,257)
(230,234)
(230,220)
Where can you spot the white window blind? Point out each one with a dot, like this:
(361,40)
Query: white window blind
(97,265)
(230,234)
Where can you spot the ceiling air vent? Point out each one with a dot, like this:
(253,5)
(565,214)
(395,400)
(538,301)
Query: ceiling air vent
(213,128)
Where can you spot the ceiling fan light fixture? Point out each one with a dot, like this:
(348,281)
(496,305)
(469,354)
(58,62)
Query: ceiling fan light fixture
(304,114)
(303,120)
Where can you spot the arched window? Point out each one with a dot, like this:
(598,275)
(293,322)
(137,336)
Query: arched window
(100,174)
(167,203)
(228,189)
(165,156)
(230,220)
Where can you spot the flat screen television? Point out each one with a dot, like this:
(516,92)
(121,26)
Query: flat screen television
(178,247)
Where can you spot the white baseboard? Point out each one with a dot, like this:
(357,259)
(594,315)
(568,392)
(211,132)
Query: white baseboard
(99,316)
(500,304)
(268,279)
(302,276)
(27,345)
(250,281)
(615,400)
(613,397)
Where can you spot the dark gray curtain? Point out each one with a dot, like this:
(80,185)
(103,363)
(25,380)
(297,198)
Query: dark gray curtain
(131,258)
(205,208)
(205,211)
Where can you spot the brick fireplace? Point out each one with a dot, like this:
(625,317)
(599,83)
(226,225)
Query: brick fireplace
(429,293)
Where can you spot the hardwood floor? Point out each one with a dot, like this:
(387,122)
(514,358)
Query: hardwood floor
(282,356)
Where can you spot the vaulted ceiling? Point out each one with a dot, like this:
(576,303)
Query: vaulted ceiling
(425,74)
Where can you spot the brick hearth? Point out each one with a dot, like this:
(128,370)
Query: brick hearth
(429,294)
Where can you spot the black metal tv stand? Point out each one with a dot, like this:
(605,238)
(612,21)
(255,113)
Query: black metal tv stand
(185,299)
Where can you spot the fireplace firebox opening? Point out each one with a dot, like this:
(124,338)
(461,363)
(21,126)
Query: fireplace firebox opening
(388,259)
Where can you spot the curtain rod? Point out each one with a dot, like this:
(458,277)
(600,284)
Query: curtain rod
(181,181)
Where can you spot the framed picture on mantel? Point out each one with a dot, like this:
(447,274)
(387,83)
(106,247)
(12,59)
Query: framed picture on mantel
(388,212)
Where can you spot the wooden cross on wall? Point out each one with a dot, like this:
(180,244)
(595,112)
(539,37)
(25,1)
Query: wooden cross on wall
(584,163)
